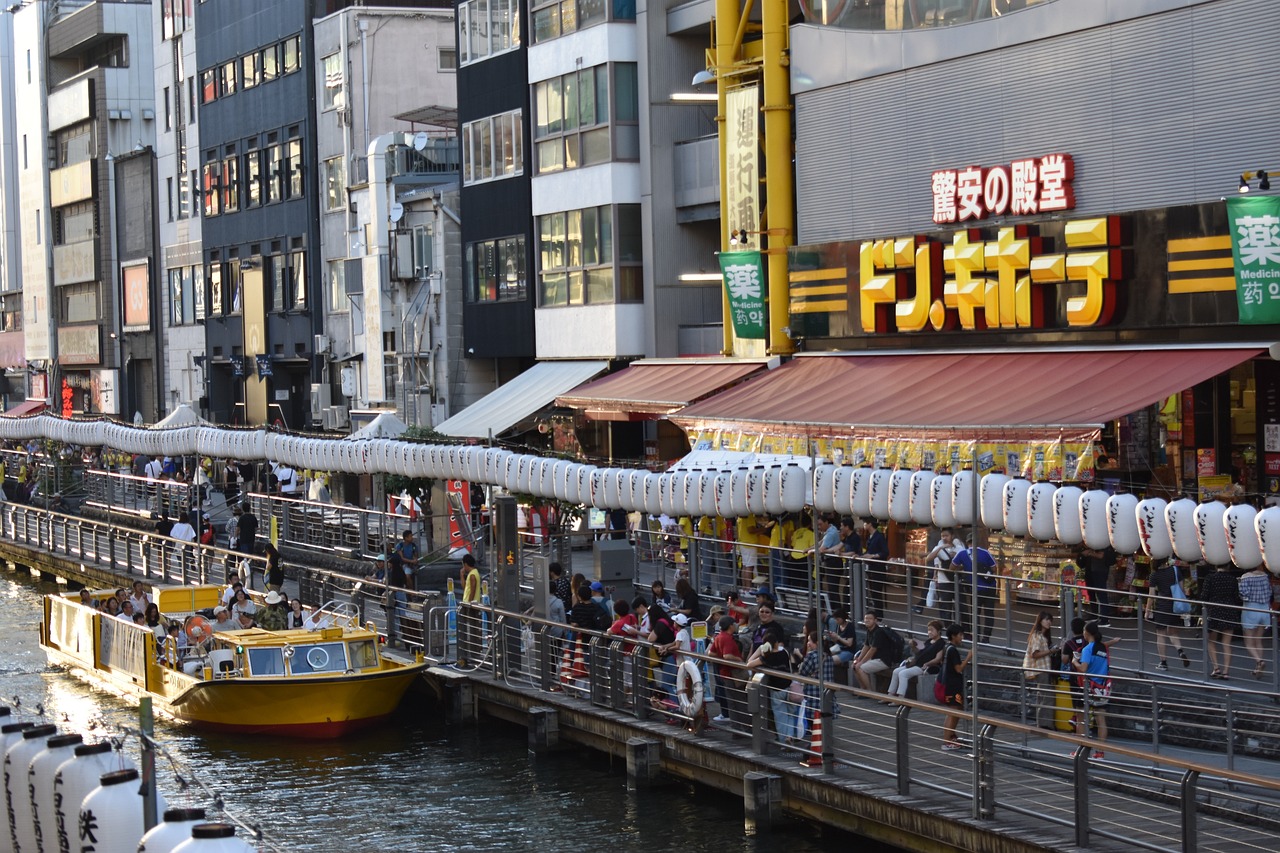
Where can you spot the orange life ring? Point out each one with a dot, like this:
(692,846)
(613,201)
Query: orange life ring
(197,629)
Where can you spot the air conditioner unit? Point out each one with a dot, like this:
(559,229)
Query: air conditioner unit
(336,417)
(344,117)
(320,400)
(322,343)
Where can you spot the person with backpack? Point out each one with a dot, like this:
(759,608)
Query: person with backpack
(881,652)
(974,560)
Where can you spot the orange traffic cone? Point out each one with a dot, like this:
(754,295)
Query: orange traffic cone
(814,758)
(579,662)
(566,666)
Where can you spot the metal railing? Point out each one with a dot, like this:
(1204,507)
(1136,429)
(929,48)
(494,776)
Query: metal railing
(1134,798)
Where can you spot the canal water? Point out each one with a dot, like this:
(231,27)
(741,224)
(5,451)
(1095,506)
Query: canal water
(411,785)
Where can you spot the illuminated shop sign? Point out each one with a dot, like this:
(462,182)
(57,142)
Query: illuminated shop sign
(1023,188)
(914,284)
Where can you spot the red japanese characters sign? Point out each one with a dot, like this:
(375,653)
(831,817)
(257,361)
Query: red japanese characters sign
(1024,187)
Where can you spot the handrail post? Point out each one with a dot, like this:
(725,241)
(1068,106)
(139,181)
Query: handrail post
(596,671)
(546,671)
(501,663)
(902,745)
(759,714)
(1231,731)
(1080,780)
(984,755)
(617,695)
(639,669)
(1187,799)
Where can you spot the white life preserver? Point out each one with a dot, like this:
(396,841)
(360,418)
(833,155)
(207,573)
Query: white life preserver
(689,688)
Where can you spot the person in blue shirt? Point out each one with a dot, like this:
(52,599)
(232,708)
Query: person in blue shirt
(962,570)
(1094,661)
(875,549)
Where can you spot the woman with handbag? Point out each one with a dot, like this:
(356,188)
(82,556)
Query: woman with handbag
(944,589)
(1095,663)
(1163,610)
(1221,597)
(1037,662)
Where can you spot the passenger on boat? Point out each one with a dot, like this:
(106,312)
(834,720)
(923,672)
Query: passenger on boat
(222,620)
(233,584)
(295,618)
(154,622)
(272,617)
(87,599)
(242,604)
(112,606)
(139,620)
(245,622)
(139,597)
(126,610)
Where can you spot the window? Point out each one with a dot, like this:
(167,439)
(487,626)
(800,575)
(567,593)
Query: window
(211,185)
(487,27)
(227,79)
(194,201)
(230,183)
(590,256)
(78,303)
(270,63)
(191,97)
(332,81)
(277,278)
(294,153)
(168,111)
(288,281)
(75,145)
(182,295)
(553,18)
(169,196)
(252,179)
(250,70)
(75,223)
(493,147)
(215,289)
(291,55)
(208,88)
(274,167)
(232,302)
(197,290)
(335,183)
(495,270)
(336,276)
(321,657)
(11,316)
(297,281)
(447,59)
(573,123)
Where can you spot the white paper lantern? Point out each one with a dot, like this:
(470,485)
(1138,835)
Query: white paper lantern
(17,760)
(213,838)
(693,491)
(1153,530)
(842,489)
(724,494)
(1040,521)
(707,493)
(922,496)
(940,505)
(667,494)
(629,489)
(1242,538)
(860,493)
(755,490)
(738,492)
(991,500)
(1267,525)
(1093,519)
(1180,522)
(1066,515)
(1122,523)
(1212,533)
(40,772)
(1016,494)
(772,490)
(900,496)
(652,493)
(794,485)
(175,829)
(586,476)
(116,808)
(880,493)
(964,497)
(824,484)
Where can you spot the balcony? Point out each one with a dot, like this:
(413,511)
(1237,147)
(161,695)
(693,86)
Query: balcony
(697,175)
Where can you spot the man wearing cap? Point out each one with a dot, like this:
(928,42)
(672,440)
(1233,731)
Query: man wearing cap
(602,601)
(393,601)
(272,617)
(728,681)
(468,616)
(222,619)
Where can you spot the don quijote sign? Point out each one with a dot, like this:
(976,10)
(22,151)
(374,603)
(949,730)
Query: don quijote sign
(1025,187)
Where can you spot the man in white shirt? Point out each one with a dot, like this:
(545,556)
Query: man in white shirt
(287,478)
(139,598)
(183,530)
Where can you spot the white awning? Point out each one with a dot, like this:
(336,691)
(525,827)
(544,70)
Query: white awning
(530,392)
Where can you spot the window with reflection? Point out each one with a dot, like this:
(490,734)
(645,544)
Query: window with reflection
(493,147)
(487,28)
(590,256)
(586,117)
(555,18)
(495,270)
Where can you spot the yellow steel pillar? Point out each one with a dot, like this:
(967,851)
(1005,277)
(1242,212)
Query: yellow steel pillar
(726,15)
(777,169)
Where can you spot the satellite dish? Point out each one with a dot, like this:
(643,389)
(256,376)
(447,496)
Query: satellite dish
(396,212)
(420,140)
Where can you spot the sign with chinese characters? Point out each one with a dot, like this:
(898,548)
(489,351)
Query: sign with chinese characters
(1254,223)
(102,391)
(910,284)
(1023,188)
(744,279)
(742,165)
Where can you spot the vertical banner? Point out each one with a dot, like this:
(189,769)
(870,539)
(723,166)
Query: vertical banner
(135,280)
(255,343)
(1254,222)
(742,165)
(744,279)
(459,498)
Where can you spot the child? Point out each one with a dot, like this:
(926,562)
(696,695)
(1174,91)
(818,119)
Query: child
(952,678)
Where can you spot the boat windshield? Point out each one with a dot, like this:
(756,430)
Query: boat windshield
(266,661)
(363,654)
(321,657)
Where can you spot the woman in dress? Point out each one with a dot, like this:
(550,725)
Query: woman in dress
(1221,596)
(1256,592)
(1160,611)
(1036,663)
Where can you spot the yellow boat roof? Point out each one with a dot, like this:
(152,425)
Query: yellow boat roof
(186,598)
(296,636)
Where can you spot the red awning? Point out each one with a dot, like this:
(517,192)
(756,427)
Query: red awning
(650,389)
(26,407)
(996,395)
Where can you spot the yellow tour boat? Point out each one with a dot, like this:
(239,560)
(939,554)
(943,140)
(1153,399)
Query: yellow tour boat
(318,682)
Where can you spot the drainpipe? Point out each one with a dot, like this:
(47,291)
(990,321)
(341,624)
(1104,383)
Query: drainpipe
(381,196)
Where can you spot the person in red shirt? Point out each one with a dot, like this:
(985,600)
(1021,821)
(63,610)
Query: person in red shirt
(626,625)
(728,676)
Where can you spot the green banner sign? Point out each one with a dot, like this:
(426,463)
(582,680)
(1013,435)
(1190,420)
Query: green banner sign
(1255,245)
(744,281)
